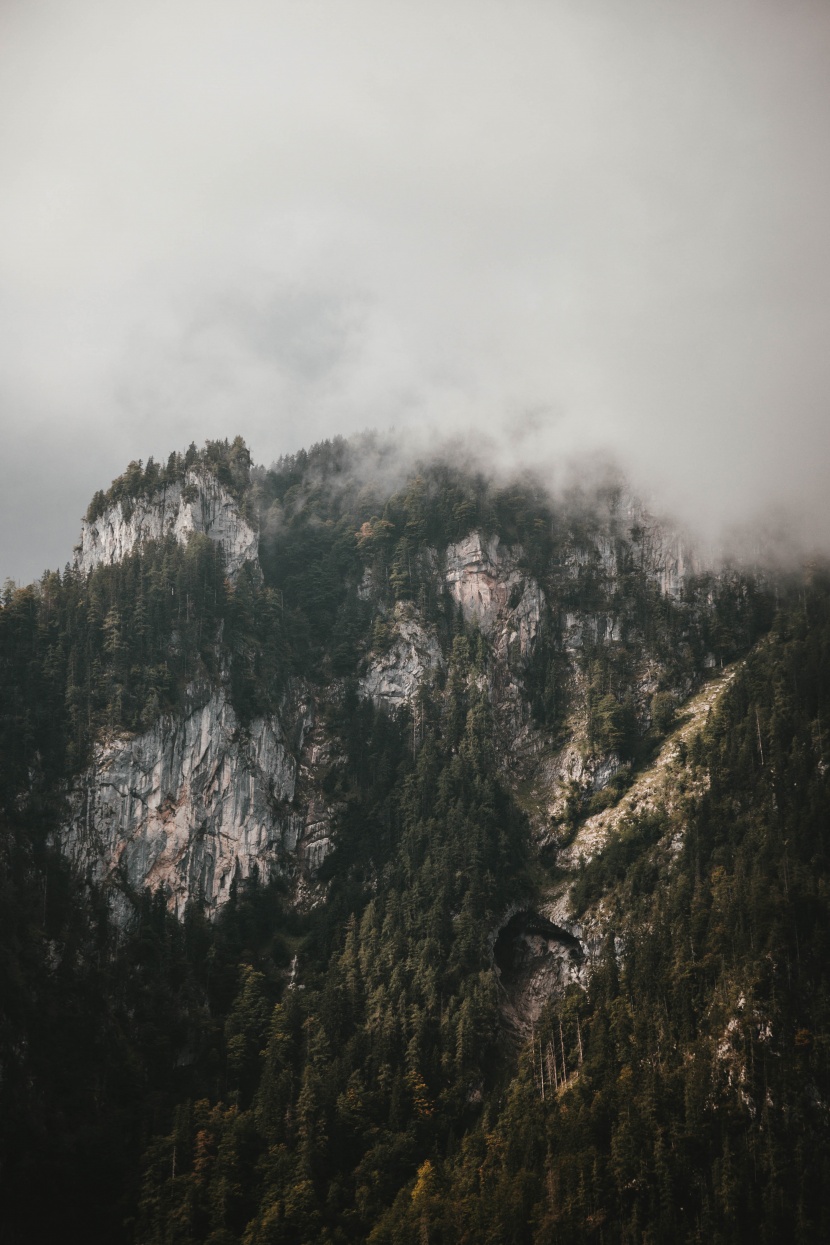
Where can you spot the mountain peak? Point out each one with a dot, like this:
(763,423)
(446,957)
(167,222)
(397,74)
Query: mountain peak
(200,491)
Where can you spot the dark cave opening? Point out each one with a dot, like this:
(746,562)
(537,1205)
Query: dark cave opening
(527,937)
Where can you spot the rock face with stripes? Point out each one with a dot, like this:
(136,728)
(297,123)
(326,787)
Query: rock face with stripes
(191,805)
(198,503)
(486,578)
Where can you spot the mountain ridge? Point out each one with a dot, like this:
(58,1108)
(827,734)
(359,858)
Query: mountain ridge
(380,891)
(165,833)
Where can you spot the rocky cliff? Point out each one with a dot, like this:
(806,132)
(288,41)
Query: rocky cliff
(190,805)
(538,952)
(394,676)
(201,801)
(197,503)
(486,578)
(206,796)
(538,813)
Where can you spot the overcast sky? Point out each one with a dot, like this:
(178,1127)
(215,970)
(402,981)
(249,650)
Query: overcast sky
(602,223)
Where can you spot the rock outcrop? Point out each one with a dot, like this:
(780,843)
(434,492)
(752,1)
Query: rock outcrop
(191,804)
(533,959)
(393,677)
(486,580)
(199,503)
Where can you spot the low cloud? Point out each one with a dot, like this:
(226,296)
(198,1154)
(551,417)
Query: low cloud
(568,228)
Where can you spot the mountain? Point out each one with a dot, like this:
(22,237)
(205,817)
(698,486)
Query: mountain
(396,853)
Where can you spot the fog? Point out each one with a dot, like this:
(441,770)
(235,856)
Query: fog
(571,228)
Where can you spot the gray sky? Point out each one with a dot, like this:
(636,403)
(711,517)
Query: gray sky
(575,225)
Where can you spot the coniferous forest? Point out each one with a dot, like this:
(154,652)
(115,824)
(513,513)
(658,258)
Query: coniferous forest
(338,1067)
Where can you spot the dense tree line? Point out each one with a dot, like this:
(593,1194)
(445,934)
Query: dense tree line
(83,656)
(685,1096)
(381,1051)
(227,462)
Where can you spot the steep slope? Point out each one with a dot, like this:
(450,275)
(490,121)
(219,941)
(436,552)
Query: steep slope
(190,806)
(393,865)
(680,1088)
(196,503)
(657,787)
(674,1084)
(200,799)
(543,949)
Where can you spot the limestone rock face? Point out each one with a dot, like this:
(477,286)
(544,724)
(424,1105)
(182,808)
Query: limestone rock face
(198,504)
(200,800)
(485,579)
(393,678)
(189,805)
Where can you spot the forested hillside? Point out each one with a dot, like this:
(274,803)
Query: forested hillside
(330,1055)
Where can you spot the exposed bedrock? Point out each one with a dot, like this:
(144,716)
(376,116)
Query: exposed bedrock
(199,503)
(194,803)
(534,958)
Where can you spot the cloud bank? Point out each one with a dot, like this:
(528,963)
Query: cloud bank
(571,226)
